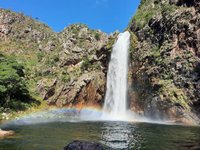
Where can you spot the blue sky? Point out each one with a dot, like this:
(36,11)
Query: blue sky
(106,15)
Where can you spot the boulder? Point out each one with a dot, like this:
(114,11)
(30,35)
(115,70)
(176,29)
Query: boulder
(6,133)
(83,145)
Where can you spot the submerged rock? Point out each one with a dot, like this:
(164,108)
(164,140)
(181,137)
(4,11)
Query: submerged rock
(83,145)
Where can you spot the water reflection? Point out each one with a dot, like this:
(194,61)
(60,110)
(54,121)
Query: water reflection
(120,135)
(54,129)
(115,135)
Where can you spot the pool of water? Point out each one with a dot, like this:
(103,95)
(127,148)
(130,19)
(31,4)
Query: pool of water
(114,135)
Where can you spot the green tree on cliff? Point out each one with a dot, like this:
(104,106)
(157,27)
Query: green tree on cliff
(13,90)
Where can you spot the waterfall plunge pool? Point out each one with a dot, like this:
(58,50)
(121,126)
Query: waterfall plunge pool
(55,129)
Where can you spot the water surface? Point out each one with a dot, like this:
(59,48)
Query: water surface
(115,135)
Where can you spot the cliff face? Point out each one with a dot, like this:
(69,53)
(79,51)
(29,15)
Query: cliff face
(165,59)
(66,68)
(79,72)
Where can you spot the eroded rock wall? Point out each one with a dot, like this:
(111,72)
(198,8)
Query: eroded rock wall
(65,69)
(165,59)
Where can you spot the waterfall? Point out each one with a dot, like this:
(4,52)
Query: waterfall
(116,93)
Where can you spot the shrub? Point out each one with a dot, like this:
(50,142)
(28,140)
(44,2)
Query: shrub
(86,64)
(40,56)
(65,78)
(55,58)
(97,36)
(13,90)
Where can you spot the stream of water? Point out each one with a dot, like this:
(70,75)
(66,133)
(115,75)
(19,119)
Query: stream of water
(116,92)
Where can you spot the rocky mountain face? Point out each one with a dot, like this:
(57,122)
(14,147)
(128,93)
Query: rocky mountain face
(165,60)
(65,69)
(79,74)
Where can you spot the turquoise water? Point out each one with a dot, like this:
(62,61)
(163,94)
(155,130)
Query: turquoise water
(114,135)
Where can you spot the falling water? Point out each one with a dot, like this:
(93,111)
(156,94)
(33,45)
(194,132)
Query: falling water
(116,93)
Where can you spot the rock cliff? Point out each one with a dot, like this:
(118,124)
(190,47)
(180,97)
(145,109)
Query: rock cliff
(165,72)
(65,69)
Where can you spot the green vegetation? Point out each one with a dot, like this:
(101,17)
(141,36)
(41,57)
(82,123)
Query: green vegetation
(148,9)
(13,90)
(134,40)
(97,36)
(86,64)
(111,43)
(65,77)
(145,13)
(173,94)
(40,56)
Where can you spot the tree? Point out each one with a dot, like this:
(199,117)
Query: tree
(13,90)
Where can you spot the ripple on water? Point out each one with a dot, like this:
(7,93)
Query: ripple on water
(120,135)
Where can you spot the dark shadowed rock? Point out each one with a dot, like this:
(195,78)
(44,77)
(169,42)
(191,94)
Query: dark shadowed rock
(83,145)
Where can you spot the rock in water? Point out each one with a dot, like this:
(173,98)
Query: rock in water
(6,133)
(83,145)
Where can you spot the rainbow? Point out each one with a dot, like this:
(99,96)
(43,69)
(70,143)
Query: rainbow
(75,115)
